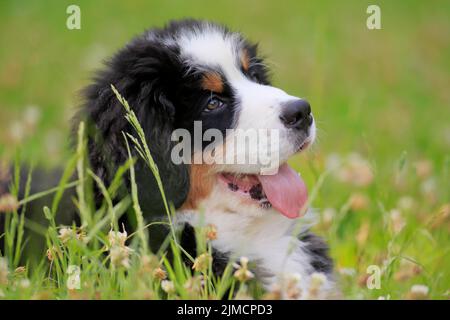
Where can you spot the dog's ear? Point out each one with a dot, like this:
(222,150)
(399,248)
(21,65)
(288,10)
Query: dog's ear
(144,74)
(158,128)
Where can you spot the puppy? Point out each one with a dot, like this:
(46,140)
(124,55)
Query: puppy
(199,72)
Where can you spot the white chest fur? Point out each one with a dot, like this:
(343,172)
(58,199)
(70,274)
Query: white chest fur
(263,235)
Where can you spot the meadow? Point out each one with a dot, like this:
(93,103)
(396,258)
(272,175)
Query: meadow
(379,172)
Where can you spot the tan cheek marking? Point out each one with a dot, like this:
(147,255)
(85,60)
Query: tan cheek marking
(202,181)
(245,60)
(212,81)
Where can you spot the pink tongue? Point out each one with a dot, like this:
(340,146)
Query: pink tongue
(285,190)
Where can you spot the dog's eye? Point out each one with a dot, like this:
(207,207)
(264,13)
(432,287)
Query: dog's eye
(213,104)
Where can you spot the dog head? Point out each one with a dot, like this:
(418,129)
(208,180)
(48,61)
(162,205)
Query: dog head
(195,72)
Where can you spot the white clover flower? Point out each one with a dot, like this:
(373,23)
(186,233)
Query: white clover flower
(24,283)
(117,238)
(356,171)
(333,161)
(420,289)
(168,286)
(31,115)
(317,281)
(293,290)
(406,203)
(17,132)
(8,203)
(65,234)
(243,273)
(119,253)
(194,285)
(418,292)
(350,272)
(429,188)
(397,220)
(327,217)
(120,256)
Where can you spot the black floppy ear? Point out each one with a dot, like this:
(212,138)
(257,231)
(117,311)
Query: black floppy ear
(174,177)
(143,73)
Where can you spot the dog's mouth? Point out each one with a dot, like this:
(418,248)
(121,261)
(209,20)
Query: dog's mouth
(285,191)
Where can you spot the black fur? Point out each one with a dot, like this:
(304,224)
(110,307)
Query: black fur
(142,72)
(220,259)
(318,253)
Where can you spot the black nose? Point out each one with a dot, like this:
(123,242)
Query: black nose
(296,114)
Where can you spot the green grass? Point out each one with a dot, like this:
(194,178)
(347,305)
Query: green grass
(110,263)
(382,95)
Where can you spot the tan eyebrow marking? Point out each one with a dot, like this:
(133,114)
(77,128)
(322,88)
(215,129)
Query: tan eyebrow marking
(212,81)
(245,60)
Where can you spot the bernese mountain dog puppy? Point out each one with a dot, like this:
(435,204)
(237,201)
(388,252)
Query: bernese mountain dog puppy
(192,71)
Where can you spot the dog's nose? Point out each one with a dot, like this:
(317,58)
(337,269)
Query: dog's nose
(296,114)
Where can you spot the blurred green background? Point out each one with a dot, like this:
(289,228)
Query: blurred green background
(381,91)
(383,95)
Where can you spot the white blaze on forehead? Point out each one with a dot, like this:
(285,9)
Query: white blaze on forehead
(212,47)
